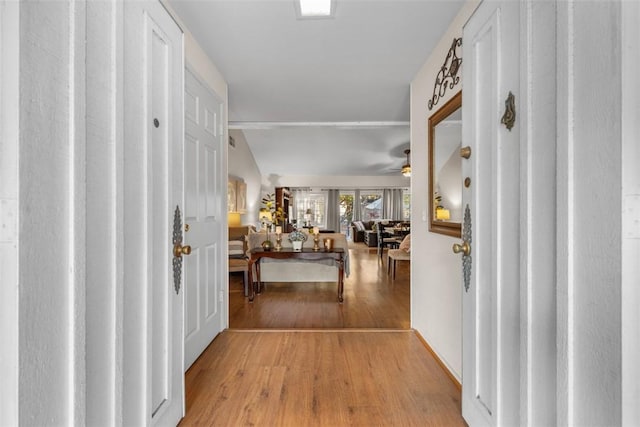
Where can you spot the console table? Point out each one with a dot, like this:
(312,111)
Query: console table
(257,254)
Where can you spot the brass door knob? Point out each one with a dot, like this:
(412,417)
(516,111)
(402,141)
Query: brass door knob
(465,248)
(179,250)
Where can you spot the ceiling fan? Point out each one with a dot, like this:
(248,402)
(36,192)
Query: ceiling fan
(406,168)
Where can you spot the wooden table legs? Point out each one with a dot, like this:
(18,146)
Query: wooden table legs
(257,255)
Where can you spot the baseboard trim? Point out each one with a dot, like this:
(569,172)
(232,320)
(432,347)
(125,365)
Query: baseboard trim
(440,362)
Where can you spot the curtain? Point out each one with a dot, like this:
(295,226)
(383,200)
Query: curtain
(387,204)
(357,212)
(333,210)
(397,208)
(392,204)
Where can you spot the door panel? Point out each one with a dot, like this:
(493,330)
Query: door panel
(153,132)
(491,305)
(204,214)
(158,155)
(212,182)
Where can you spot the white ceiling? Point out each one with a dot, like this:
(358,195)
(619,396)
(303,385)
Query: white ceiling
(292,73)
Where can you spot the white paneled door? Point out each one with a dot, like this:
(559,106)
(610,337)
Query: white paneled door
(153,188)
(205,207)
(491,298)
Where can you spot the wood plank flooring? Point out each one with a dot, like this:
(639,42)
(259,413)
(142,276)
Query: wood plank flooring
(295,357)
(319,378)
(371,299)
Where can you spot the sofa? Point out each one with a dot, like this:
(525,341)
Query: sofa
(366,233)
(358,233)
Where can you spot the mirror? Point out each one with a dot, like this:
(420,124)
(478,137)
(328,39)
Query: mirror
(445,169)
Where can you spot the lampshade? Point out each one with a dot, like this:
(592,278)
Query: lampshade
(233,219)
(406,168)
(443,214)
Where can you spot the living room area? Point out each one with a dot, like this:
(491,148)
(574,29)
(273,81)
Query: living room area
(373,219)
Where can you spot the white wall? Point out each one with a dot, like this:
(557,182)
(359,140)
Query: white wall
(589,220)
(104,234)
(9,146)
(436,281)
(62,364)
(199,62)
(242,165)
(630,214)
(51,214)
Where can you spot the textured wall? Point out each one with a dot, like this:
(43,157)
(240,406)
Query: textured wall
(589,223)
(243,166)
(436,280)
(51,223)
(9,145)
(630,214)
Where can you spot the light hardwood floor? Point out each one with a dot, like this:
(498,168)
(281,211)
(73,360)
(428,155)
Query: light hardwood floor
(371,299)
(319,378)
(295,357)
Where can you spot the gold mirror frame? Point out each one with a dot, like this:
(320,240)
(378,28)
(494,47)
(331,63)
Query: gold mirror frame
(450,228)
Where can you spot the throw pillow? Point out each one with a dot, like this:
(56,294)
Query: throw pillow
(359,225)
(405,245)
(236,249)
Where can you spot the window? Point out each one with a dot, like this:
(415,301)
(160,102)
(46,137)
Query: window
(371,204)
(311,209)
(346,211)
(406,205)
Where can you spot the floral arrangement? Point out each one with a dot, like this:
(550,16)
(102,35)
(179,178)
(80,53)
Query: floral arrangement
(297,236)
(269,204)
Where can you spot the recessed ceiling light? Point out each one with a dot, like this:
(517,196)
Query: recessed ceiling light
(306,9)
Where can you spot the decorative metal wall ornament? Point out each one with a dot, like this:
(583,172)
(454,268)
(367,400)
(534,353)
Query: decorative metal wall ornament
(466,259)
(509,116)
(178,249)
(448,75)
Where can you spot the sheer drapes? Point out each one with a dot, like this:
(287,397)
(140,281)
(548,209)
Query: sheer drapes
(392,204)
(333,210)
(304,199)
(357,206)
(397,205)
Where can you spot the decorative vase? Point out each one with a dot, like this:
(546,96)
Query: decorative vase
(266,245)
(297,246)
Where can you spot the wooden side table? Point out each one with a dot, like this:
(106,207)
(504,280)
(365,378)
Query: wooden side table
(257,254)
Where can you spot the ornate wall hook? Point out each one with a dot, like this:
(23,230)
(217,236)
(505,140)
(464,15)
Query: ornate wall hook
(509,116)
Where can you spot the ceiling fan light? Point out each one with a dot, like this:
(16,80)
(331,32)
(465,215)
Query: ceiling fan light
(406,168)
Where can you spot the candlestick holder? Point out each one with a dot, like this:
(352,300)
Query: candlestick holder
(316,247)
(278,246)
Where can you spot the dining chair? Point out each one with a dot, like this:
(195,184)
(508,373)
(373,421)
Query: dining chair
(385,240)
